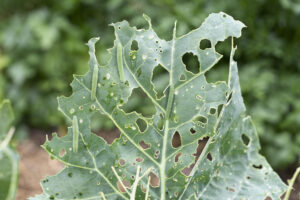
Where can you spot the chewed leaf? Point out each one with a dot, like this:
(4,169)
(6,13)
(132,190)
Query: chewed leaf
(236,168)
(186,150)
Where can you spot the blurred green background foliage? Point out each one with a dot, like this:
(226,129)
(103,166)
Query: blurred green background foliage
(42,45)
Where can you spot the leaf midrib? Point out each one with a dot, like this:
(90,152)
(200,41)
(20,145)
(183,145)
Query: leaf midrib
(167,116)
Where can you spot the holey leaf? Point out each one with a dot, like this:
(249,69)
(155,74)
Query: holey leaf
(158,157)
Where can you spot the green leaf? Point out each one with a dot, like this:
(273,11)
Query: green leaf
(8,158)
(187,113)
(6,119)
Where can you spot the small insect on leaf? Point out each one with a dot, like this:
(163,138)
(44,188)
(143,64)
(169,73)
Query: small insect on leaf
(120,62)
(94,82)
(75,134)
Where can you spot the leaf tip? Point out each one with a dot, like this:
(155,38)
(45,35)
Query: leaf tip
(148,19)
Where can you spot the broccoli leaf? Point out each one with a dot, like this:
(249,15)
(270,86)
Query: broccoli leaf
(156,157)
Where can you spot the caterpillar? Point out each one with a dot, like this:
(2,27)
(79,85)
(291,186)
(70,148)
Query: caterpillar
(120,62)
(75,134)
(94,82)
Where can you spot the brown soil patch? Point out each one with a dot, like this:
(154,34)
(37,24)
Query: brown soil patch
(35,165)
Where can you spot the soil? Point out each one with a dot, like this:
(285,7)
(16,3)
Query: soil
(35,165)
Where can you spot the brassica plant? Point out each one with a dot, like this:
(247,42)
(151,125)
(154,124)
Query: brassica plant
(157,157)
(8,158)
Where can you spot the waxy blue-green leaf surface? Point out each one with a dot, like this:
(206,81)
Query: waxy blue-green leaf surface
(8,158)
(228,168)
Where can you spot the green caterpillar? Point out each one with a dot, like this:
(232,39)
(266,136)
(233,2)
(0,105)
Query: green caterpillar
(75,134)
(94,82)
(120,62)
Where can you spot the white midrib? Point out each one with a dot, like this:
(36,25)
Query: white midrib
(166,131)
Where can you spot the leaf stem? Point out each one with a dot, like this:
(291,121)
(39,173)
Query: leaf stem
(14,173)
(120,180)
(102,195)
(291,183)
(135,184)
(166,131)
(7,138)
(147,190)
(137,179)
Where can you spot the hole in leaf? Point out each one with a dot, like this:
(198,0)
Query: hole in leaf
(204,44)
(154,180)
(102,126)
(143,188)
(125,183)
(139,72)
(62,153)
(144,145)
(134,45)
(176,140)
(201,144)
(100,122)
(177,157)
(192,131)
(108,136)
(209,157)
(246,139)
(220,109)
(191,62)
(186,171)
(230,189)
(212,111)
(229,97)
(137,98)
(141,124)
(160,80)
(200,119)
(122,162)
(70,174)
(257,166)
(182,77)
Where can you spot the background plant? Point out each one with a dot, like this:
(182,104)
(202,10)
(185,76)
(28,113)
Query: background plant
(41,45)
(8,158)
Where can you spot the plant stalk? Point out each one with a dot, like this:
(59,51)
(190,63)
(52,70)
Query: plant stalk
(291,183)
